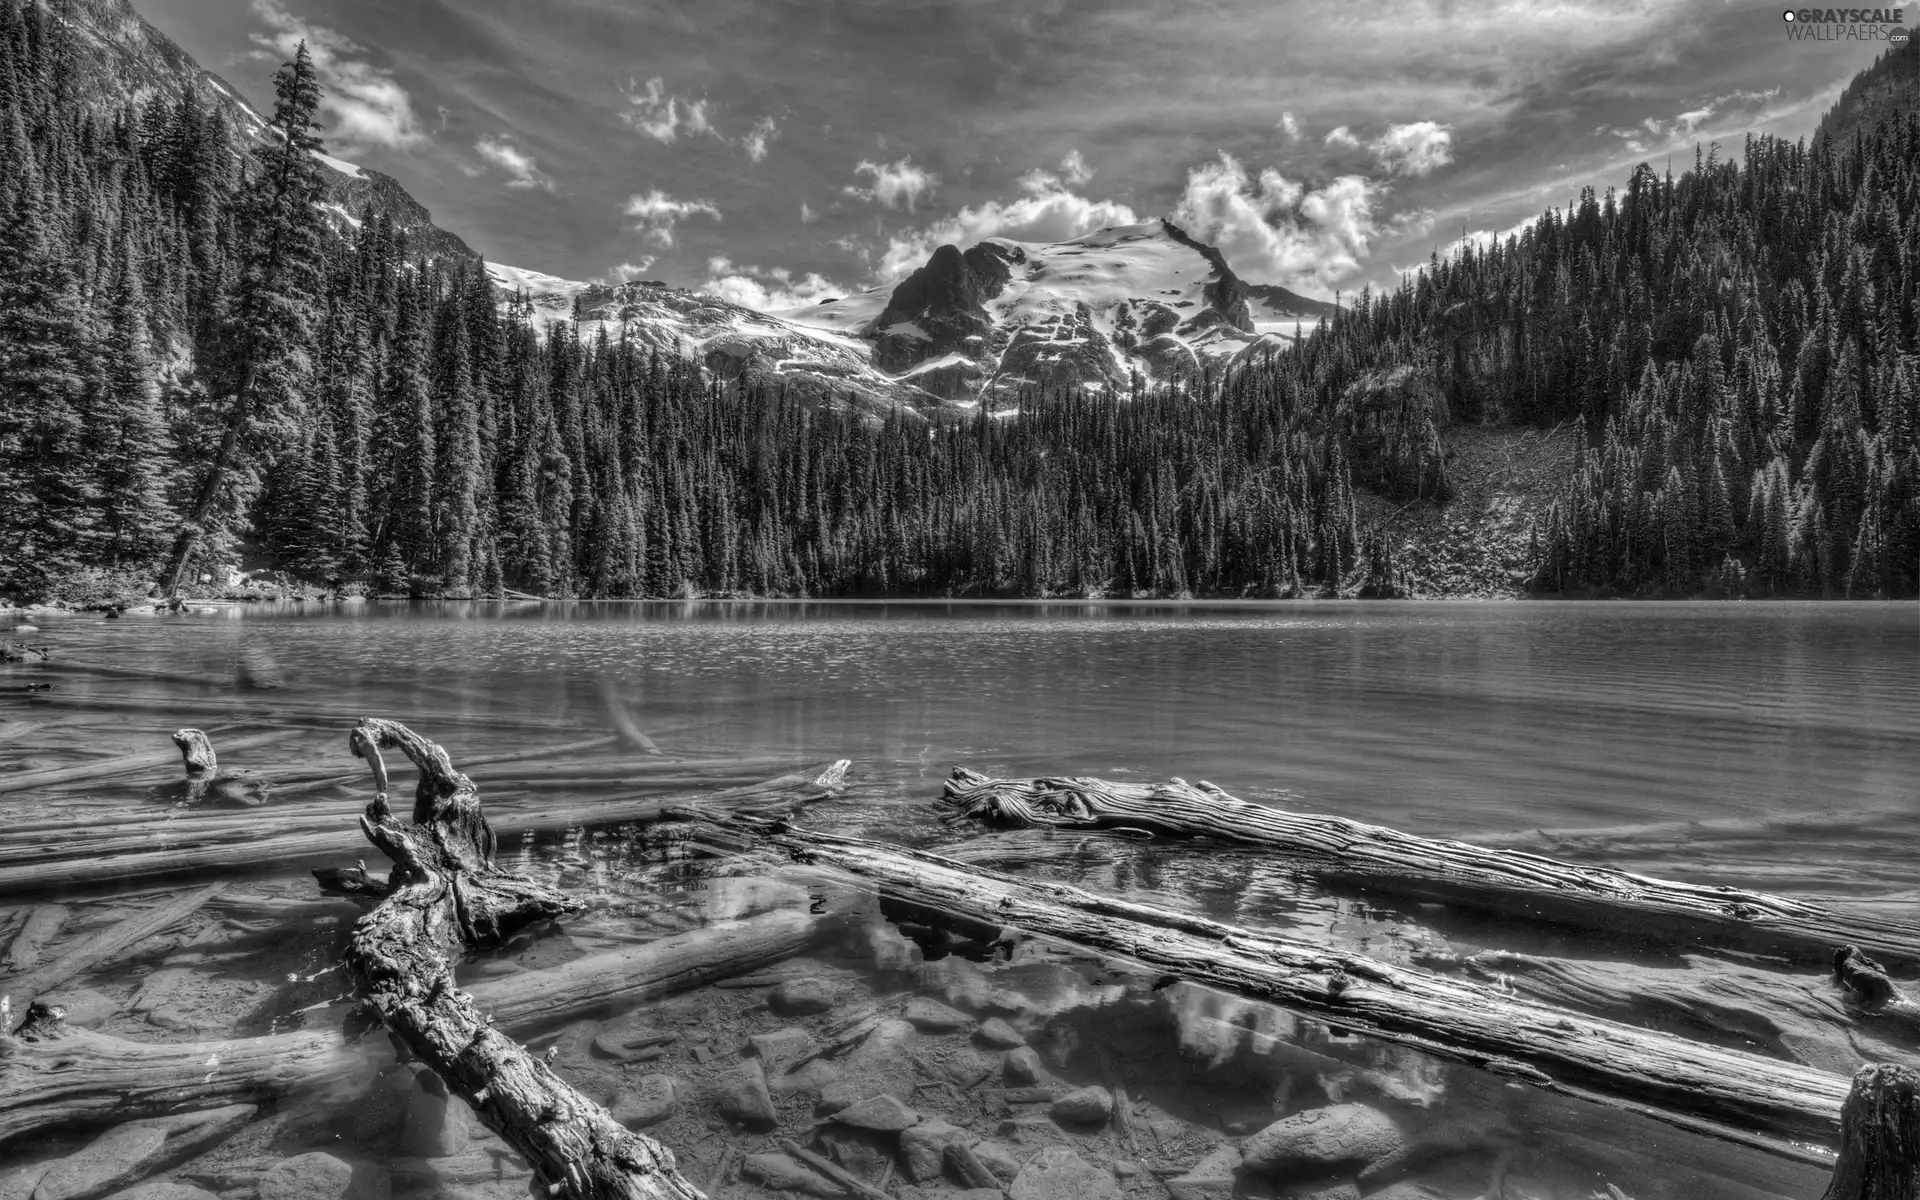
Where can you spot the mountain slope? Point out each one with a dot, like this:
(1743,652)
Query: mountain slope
(1889,88)
(125,59)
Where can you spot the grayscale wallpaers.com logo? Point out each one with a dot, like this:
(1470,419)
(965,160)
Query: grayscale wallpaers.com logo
(1847,25)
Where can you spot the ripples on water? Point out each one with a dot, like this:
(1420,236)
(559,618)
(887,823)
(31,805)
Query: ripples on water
(1447,719)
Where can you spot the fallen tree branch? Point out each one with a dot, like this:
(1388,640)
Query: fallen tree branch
(1389,862)
(1724,1093)
(447,896)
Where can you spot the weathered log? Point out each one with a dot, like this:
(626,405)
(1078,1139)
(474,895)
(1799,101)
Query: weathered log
(159,848)
(1388,862)
(125,764)
(41,926)
(1880,1137)
(19,992)
(1724,1093)
(448,896)
(54,1075)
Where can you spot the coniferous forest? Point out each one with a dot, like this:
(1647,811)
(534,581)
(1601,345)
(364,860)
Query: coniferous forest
(199,362)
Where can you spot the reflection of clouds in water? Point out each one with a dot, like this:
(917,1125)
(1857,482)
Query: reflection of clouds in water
(1216,1028)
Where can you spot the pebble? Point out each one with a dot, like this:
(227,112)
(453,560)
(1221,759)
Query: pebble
(742,1097)
(650,1100)
(862,1151)
(317,1175)
(997,1034)
(1022,1067)
(1322,1139)
(801,997)
(923,1148)
(1083,1106)
(882,1112)
(1057,1173)
(998,1158)
(931,1016)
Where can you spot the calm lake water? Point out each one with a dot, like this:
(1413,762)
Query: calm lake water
(1791,731)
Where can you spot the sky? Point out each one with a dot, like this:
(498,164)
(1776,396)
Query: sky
(785,151)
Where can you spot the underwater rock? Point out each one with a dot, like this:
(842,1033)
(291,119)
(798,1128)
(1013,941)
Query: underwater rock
(317,1175)
(742,1096)
(801,997)
(1057,1173)
(882,1112)
(1084,1106)
(1322,1140)
(1212,1178)
(649,1101)
(1022,1066)
(931,1016)
(923,1148)
(436,1127)
(997,1034)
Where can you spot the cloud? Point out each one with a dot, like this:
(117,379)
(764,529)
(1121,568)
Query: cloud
(807,215)
(1340,135)
(1073,172)
(765,288)
(660,115)
(656,214)
(367,108)
(1049,212)
(1274,228)
(1416,148)
(627,272)
(1074,169)
(1685,125)
(895,184)
(521,168)
(1289,125)
(755,140)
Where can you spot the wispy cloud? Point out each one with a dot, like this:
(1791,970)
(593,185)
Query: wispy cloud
(656,214)
(1340,135)
(656,113)
(755,140)
(522,169)
(895,184)
(765,288)
(1289,125)
(627,272)
(365,106)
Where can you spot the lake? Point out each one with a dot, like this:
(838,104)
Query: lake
(1791,732)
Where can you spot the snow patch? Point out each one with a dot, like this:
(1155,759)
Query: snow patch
(340,164)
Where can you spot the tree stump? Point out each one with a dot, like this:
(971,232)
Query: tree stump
(1879,1137)
(446,895)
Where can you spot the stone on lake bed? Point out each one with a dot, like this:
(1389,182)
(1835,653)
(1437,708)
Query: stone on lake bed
(1322,1139)
(997,1034)
(1057,1173)
(883,1112)
(741,1095)
(923,1148)
(126,1154)
(801,997)
(780,1045)
(782,1173)
(998,1158)
(1022,1066)
(436,1123)
(1212,1178)
(931,1016)
(1083,1106)
(649,1101)
(164,1189)
(318,1175)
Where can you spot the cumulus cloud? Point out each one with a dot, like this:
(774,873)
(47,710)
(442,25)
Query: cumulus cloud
(895,184)
(1271,227)
(1340,135)
(1072,173)
(653,111)
(656,214)
(755,140)
(1074,169)
(522,169)
(766,288)
(365,106)
(1049,212)
(1416,148)
(1289,125)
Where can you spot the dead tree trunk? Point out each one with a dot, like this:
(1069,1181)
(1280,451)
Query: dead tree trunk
(447,895)
(1879,1137)
(1385,861)
(1723,1093)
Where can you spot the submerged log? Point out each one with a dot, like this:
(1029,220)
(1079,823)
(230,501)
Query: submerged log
(52,1074)
(1724,1093)
(21,990)
(448,895)
(124,764)
(1388,862)
(1880,1137)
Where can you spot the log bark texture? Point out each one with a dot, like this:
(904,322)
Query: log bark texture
(1769,1105)
(448,896)
(1880,1138)
(1388,862)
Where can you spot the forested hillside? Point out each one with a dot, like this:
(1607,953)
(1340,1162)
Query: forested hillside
(196,364)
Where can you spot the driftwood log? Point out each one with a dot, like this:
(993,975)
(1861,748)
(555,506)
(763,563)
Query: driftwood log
(1774,1106)
(1388,862)
(52,1074)
(448,896)
(1880,1143)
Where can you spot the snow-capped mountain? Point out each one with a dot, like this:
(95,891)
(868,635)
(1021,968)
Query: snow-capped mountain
(127,59)
(736,344)
(1003,317)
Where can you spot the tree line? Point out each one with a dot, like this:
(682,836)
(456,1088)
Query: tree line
(198,359)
